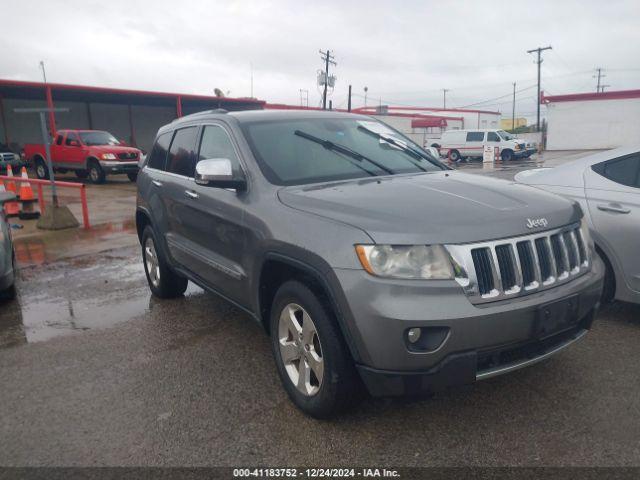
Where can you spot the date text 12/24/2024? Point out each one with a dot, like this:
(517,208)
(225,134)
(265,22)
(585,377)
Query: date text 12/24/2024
(315,473)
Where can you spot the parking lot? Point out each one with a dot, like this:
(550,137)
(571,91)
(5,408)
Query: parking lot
(96,372)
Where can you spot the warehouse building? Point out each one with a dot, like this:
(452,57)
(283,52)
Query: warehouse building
(593,120)
(131,115)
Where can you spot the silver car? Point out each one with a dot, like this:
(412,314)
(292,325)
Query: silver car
(7,256)
(607,186)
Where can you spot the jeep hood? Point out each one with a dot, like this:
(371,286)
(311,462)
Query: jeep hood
(442,207)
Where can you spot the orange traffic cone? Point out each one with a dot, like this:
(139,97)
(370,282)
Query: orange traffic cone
(11,185)
(27,199)
(11,209)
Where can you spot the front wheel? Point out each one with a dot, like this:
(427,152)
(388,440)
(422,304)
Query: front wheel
(506,155)
(96,174)
(312,359)
(42,171)
(163,282)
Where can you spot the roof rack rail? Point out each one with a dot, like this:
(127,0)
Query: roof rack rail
(204,112)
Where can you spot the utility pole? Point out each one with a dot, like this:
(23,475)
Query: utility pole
(304,97)
(366,89)
(444,97)
(328,58)
(599,76)
(251,68)
(602,87)
(349,100)
(539,50)
(44,74)
(513,108)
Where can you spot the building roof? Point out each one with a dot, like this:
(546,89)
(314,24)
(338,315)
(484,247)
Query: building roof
(580,97)
(65,92)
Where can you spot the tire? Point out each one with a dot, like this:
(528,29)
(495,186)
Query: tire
(133,176)
(506,155)
(454,156)
(82,174)
(163,282)
(96,174)
(42,171)
(9,293)
(333,385)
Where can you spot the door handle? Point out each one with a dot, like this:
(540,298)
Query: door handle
(612,207)
(156,183)
(191,194)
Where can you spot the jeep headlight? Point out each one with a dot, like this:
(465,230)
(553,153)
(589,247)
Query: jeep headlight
(406,261)
(108,156)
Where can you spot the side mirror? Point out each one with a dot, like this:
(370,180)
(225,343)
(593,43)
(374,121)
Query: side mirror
(218,172)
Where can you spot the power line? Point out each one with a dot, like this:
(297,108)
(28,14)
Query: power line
(498,98)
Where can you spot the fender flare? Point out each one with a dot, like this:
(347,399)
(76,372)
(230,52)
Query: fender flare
(327,281)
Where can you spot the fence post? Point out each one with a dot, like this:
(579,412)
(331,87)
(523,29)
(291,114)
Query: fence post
(85,208)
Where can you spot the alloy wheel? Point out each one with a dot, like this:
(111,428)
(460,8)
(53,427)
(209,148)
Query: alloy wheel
(300,349)
(151,260)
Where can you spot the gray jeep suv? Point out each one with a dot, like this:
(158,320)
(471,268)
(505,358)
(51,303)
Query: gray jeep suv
(367,260)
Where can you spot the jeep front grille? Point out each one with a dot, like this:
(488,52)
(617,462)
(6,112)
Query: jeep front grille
(512,267)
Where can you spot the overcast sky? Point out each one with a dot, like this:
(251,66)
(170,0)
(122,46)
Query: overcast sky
(405,52)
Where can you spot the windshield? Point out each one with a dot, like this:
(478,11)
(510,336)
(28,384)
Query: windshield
(312,150)
(505,135)
(98,138)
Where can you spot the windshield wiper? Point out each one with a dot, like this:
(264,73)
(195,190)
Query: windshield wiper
(401,145)
(329,145)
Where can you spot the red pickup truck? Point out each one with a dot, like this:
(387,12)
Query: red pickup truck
(89,153)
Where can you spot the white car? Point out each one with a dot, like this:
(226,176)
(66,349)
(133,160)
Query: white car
(459,144)
(607,186)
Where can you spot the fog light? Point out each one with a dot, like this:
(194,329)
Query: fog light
(413,335)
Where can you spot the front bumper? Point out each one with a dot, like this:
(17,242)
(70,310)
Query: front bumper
(112,166)
(523,153)
(381,311)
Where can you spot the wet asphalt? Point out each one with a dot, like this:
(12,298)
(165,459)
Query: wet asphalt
(95,372)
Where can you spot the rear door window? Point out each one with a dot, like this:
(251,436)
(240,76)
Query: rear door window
(158,155)
(475,136)
(625,171)
(182,154)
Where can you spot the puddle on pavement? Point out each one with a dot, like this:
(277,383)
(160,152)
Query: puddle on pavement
(81,294)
